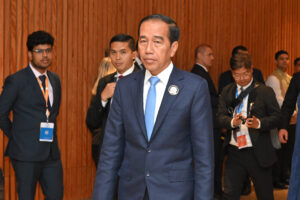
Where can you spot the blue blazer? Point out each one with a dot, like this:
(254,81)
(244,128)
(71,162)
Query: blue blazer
(177,162)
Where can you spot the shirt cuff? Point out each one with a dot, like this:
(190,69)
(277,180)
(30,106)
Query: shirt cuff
(103,103)
(258,124)
(232,123)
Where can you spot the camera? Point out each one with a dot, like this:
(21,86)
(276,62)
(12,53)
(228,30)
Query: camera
(243,119)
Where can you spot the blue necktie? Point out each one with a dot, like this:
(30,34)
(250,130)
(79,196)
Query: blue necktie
(150,106)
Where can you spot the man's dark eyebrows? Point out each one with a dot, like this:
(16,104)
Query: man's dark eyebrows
(159,37)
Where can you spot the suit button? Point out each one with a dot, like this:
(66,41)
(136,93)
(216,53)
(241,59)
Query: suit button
(149,150)
(147,174)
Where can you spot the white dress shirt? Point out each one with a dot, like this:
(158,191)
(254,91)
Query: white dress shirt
(50,89)
(160,87)
(242,127)
(273,82)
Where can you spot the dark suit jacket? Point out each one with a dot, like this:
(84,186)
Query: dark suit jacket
(97,114)
(290,101)
(287,110)
(22,95)
(265,108)
(226,78)
(197,69)
(177,162)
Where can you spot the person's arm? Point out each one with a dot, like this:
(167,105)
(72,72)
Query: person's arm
(272,117)
(274,83)
(111,153)
(98,107)
(202,143)
(290,101)
(7,99)
(288,108)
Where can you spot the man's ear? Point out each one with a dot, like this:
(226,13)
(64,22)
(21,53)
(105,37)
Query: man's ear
(174,48)
(29,55)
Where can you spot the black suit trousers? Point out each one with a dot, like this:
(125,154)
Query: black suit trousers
(240,163)
(49,173)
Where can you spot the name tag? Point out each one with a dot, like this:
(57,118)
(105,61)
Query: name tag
(46,132)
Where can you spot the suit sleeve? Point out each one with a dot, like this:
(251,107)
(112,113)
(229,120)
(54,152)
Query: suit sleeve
(289,102)
(272,119)
(111,153)
(96,111)
(202,143)
(223,116)
(7,99)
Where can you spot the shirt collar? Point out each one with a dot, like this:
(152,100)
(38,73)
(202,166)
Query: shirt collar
(127,72)
(245,87)
(36,72)
(202,67)
(163,75)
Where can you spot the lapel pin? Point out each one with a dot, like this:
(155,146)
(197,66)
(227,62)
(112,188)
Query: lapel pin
(173,90)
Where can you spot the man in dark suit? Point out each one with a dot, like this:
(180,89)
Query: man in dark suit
(33,95)
(287,110)
(249,109)
(122,54)
(204,59)
(158,136)
(226,77)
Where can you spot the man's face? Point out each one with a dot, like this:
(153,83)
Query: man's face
(206,57)
(121,56)
(41,56)
(282,62)
(242,76)
(297,66)
(155,49)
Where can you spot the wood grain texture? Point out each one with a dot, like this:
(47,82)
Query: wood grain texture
(82,30)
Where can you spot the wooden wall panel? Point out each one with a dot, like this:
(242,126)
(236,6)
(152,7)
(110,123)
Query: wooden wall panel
(82,30)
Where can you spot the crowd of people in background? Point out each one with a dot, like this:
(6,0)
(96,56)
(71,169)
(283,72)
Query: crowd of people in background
(268,166)
(160,132)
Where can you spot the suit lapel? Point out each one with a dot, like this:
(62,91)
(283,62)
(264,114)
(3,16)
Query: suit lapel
(54,87)
(168,99)
(137,96)
(35,85)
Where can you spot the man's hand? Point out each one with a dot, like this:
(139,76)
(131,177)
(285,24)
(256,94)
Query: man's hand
(252,122)
(236,120)
(283,135)
(108,91)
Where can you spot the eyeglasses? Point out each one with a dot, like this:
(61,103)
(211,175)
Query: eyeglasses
(41,51)
(243,75)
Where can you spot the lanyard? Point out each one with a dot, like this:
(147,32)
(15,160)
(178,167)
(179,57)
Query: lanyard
(240,105)
(45,94)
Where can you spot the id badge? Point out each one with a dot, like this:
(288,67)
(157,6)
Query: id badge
(46,132)
(241,140)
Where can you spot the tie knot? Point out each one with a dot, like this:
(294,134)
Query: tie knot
(121,76)
(242,89)
(153,80)
(42,78)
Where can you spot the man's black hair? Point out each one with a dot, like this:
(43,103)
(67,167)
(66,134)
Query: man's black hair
(37,38)
(123,38)
(174,31)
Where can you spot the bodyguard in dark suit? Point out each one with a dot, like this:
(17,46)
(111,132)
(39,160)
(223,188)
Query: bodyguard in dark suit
(33,95)
(158,136)
(249,109)
(122,54)
(204,59)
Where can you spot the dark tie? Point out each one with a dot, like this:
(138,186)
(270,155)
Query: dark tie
(43,80)
(121,76)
